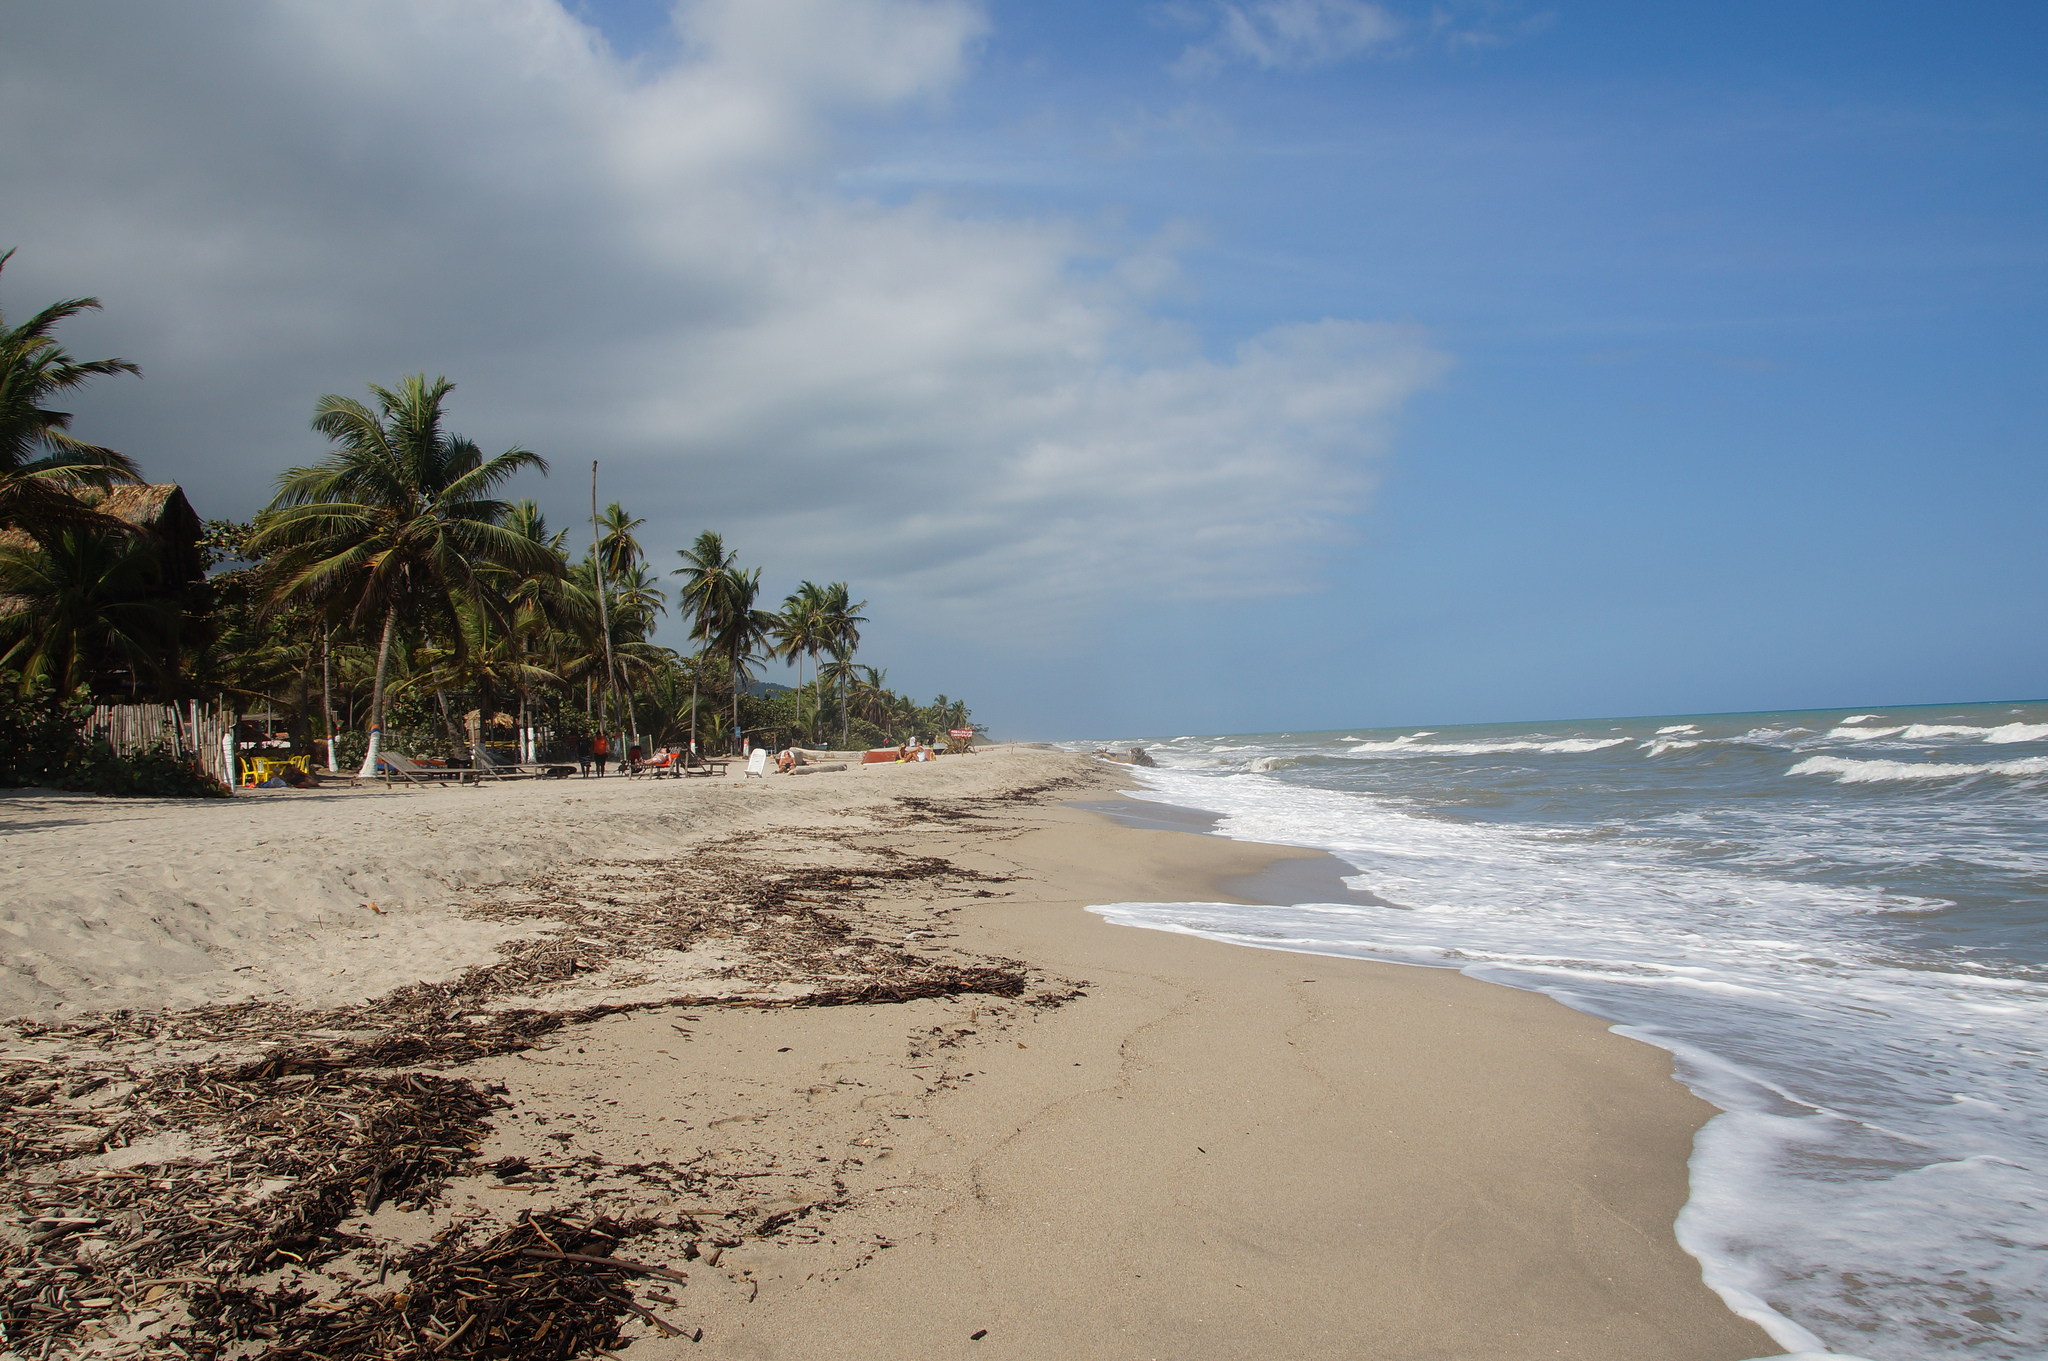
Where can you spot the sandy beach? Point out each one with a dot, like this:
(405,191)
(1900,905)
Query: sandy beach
(842,1058)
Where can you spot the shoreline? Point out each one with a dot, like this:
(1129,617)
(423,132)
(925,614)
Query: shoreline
(1203,1153)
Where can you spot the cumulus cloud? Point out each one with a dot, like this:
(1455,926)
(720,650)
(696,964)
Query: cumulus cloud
(660,270)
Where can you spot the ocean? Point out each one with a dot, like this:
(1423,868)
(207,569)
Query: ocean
(1835,920)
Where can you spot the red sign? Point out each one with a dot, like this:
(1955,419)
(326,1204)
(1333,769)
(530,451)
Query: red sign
(964,734)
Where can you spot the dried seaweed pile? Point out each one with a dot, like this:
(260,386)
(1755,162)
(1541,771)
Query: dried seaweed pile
(785,926)
(264,1167)
(217,1171)
(544,1290)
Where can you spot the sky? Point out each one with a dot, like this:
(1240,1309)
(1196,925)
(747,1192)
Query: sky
(1150,368)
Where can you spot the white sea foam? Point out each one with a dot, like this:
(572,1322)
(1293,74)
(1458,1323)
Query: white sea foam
(1928,732)
(1677,727)
(1863,734)
(2018,732)
(1878,772)
(1861,718)
(1662,745)
(1398,744)
(1848,1198)
(1408,746)
(1772,736)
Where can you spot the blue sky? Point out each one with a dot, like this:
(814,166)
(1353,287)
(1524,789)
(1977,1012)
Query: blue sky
(1702,344)
(1746,308)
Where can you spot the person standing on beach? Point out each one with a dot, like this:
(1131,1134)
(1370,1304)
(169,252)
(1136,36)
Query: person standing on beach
(601,749)
(583,756)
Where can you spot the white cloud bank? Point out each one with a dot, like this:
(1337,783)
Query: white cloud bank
(955,411)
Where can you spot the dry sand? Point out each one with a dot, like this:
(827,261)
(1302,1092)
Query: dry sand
(1209,1152)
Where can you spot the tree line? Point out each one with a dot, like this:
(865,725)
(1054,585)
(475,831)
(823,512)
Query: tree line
(389,597)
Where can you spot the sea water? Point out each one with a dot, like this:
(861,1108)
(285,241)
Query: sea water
(1837,921)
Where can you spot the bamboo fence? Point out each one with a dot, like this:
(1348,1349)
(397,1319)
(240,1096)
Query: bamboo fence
(194,731)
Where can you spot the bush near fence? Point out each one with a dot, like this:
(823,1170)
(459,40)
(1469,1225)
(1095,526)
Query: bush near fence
(48,740)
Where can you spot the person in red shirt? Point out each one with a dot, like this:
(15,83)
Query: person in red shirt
(601,749)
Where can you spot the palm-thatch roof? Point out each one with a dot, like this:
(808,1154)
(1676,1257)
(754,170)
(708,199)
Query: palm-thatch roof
(159,507)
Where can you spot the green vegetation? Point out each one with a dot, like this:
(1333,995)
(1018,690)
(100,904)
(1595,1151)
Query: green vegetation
(387,597)
(40,744)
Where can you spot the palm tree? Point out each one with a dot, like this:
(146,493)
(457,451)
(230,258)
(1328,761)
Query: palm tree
(636,594)
(83,604)
(872,699)
(708,573)
(799,632)
(615,542)
(741,631)
(613,642)
(41,462)
(480,661)
(842,639)
(397,523)
(545,608)
(840,673)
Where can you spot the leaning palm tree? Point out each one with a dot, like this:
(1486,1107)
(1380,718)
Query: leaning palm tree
(708,574)
(396,524)
(41,462)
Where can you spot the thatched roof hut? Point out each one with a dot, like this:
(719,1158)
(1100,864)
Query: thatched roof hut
(160,508)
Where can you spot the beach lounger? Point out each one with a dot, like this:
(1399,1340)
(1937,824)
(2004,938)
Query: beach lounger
(697,765)
(529,770)
(664,764)
(399,767)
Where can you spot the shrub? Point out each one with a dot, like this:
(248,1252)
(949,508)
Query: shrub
(40,744)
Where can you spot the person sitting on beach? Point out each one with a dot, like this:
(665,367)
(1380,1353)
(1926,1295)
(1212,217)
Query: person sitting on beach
(785,760)
(632,759)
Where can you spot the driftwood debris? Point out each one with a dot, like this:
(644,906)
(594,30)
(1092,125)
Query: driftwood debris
(152,1206)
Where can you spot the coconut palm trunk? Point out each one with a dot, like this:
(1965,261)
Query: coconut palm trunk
(377,696)
(327,697)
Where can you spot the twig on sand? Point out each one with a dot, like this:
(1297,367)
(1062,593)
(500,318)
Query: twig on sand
(619,1262)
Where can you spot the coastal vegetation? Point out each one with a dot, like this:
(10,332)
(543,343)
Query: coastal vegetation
(390,596)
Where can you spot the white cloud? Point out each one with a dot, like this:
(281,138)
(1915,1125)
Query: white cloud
(1292,34)
(953,411)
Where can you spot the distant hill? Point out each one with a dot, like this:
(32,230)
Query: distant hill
(767,689)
